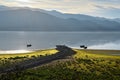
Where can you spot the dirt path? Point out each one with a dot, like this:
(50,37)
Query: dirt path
(63,53)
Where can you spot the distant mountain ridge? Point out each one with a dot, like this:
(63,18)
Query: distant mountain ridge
(30,19)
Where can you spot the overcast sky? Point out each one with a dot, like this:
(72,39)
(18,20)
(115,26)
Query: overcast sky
(102,8)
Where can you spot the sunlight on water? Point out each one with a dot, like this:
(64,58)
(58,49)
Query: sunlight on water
(110,45)
(14,51)
(18,40)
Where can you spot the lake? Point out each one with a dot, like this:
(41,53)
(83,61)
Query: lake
(17,40)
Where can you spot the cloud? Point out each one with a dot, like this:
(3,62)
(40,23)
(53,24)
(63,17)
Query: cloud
(110,12)
(73,6)
(103,8)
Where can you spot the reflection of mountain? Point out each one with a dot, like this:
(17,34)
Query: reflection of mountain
(108,46)
(27,19)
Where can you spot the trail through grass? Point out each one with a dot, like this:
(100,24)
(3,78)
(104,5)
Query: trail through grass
(84,65)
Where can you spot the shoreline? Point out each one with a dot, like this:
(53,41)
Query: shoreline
(102,51)
(15,51)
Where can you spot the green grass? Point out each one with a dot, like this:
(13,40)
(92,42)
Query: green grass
(7,60)
(109,52)
(84,65)
(93,54)
(39,52)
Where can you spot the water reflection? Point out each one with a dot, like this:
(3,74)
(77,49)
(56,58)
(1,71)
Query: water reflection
(110,45)
(14,51)
(41,40)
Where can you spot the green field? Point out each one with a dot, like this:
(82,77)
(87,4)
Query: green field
(35,53)
(84,65)
(7,60)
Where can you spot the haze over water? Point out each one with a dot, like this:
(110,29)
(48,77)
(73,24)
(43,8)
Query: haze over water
(17,40)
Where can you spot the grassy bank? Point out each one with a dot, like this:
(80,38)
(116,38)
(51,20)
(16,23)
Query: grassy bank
(84,65)
(7,60)
(35,53)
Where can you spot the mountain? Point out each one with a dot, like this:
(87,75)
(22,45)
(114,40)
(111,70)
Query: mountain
(30,19)
(116,19)
(68,15)
(3,8)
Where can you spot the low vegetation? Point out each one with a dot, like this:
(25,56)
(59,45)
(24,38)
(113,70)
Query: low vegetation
(84,65)
(7,60)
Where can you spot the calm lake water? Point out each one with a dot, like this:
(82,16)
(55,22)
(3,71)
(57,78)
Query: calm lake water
(17,40)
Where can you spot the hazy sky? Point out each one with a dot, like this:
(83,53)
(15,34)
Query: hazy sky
(103,8)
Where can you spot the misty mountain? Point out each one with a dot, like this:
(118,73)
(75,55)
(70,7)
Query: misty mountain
(68,15)
(116,19)
(81,17)
(3,8)
(29,19)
